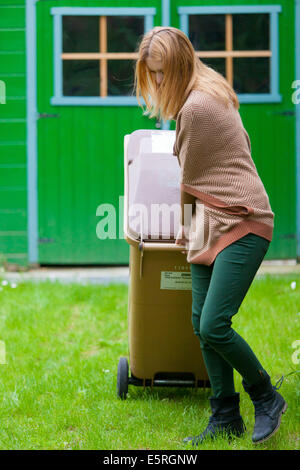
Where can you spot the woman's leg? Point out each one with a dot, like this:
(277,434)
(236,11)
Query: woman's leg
(220,372)
(233,272)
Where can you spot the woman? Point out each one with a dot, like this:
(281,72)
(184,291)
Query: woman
(225,246)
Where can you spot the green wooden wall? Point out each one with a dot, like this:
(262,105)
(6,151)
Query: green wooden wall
(13,191)
(271,127)
(80,159)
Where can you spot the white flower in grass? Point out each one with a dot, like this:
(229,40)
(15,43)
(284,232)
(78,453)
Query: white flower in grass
(4,282)
(293,285)
(105,371)
(13,285)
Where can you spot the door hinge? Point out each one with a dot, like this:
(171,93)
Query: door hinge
(47,115)
(46,240)
(289,112)
(288,235)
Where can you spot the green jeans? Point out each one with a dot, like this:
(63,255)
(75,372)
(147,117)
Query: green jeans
(217,293)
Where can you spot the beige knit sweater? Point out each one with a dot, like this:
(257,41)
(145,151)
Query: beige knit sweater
(214,153)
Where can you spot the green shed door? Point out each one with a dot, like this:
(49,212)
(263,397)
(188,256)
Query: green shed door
(249,43)
(85,60)
(85,57)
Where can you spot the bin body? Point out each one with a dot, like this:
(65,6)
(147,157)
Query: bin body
(162,343)
(161,337)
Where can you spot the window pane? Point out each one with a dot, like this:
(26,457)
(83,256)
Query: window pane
(80,34)
(216,64)
(123,33)
(251,31)
(120,77)
(81,78)
(207,32)
(251,75)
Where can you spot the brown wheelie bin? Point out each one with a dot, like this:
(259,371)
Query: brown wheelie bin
(163,349)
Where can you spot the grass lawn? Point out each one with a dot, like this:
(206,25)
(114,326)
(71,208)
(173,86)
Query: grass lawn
(63,343)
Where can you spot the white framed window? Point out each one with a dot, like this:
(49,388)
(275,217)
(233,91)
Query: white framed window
(241,42)
(94,54)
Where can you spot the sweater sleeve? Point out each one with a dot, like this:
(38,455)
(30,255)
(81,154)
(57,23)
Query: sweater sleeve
(192,136)
(187,207)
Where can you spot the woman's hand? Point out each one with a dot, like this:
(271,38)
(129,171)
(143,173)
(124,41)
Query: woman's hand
(181,237)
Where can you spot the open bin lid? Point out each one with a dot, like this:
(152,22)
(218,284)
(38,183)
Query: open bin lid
(152,185)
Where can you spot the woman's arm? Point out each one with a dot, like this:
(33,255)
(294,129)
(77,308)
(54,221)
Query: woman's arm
(187,208)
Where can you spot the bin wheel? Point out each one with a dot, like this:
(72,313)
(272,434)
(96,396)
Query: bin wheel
(122,378)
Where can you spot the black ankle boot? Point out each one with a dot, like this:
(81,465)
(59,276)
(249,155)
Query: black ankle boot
(269,405)
(225,420)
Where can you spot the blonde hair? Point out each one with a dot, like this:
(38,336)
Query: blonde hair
(183,72)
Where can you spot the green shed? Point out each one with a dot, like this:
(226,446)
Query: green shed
(66,102)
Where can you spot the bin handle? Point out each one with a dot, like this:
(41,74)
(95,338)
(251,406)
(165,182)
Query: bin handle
(148,246)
